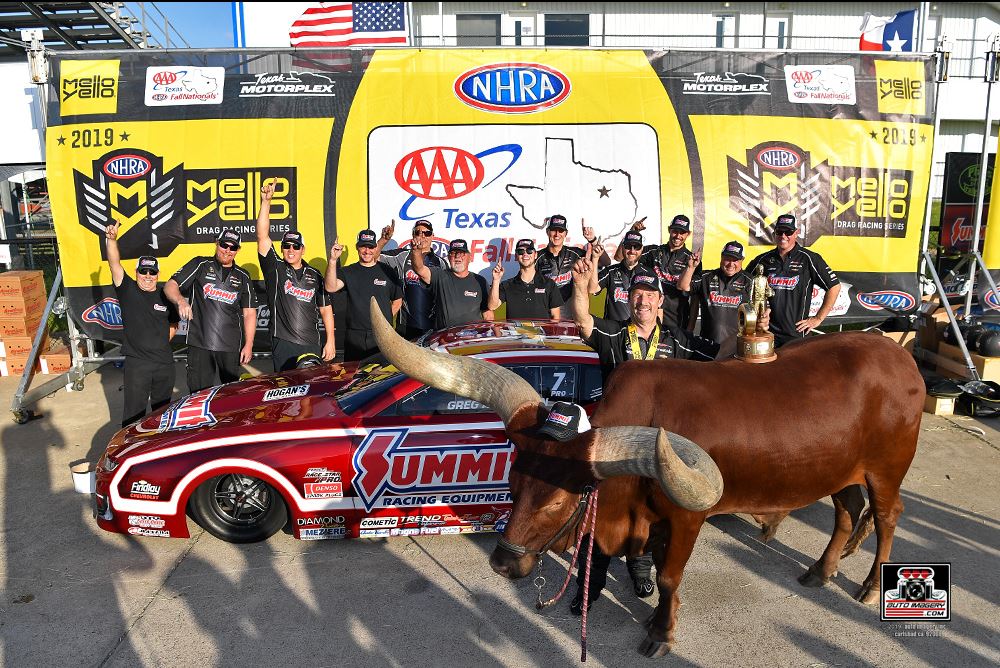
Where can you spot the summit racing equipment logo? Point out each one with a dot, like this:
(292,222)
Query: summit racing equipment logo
(512,88)
(778,177)
(88,87)
(288,84)
(107,313)
(393,461)
(889,300)
(739,83)
(300,294)
(158,209)
(172,86)
(191,412)
(916,592)
(218,294)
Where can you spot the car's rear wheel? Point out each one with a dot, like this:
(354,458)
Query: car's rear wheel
(238,508)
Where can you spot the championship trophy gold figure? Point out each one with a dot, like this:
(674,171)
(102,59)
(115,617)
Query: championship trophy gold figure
(753,342)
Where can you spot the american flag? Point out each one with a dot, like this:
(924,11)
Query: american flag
(351,24)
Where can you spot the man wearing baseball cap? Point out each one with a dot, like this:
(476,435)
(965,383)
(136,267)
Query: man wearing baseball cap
(792,271)
(640,337)
(460,296)
(295,294)
(149,321)
(529,295)
(417,315)
(363,280)
(222,313)
(617,278)
(556,260)
(717,295)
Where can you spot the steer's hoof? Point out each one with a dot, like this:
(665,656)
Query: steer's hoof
(653,648)
(868,594)
(812,579)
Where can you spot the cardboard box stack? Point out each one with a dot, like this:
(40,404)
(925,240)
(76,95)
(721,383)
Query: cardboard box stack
(22,302)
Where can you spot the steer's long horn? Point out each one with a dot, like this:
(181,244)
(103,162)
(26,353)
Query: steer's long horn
(489,384)
(686,473)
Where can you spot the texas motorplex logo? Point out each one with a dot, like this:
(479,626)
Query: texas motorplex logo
(889,300)
(184,85)
(820,84)
(728,83)
(775,178)
(288,84)
(394,461)
(107,313)
(512,88)
(191,412)
(916,592)
(159,209)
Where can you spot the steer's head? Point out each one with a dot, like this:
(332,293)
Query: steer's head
(549,477)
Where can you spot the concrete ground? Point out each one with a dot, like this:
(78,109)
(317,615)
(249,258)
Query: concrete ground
(72,594)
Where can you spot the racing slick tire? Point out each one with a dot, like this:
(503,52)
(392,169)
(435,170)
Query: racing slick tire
(238,508)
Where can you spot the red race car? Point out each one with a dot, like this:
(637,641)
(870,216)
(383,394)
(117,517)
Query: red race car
(359,451)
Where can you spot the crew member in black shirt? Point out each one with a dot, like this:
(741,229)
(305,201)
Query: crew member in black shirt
(460,296)
(529,295)
(417,315)
(149,321)
(669,261)
(556,260)
(791,272)
(294,294)
(616,278)
(222,313)
(363,280)
(717,295)
(640,337)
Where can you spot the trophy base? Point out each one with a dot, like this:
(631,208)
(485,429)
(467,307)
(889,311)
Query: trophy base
(756,348)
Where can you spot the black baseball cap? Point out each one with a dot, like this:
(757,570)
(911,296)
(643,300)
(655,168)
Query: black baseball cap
(292,238)
(733,249)
(786,221)
(645,279)
(680,222)
(148,262)
(526,244)
(565,422)
(423,223)
(557,221)
(229,236)
(366,238)
(458,246)
(632,239)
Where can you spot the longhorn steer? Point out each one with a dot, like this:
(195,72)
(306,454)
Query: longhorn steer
(831,413)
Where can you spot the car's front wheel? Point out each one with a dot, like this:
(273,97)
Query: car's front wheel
(238,508)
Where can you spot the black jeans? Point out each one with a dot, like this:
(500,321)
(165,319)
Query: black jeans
(146,383)
(359,344)
(202,366)
(285,354)
(638,567)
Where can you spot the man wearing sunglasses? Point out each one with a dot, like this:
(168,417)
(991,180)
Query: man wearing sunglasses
(149,321)
(792,271)
(417,315)
(221,313)
(529,295)
(616,278)
(363,280)
(295,294)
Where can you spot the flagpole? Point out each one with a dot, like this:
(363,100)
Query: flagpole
(925,9)
(411,34)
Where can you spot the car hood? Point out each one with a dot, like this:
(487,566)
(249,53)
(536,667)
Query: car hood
(304,397)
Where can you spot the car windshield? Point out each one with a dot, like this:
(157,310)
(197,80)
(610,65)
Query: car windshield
(369,382)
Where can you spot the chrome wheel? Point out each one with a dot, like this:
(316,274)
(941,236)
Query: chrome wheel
(240,499)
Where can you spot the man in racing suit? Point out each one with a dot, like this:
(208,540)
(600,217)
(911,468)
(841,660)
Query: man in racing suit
(617,278)
(717,295)
(556,260)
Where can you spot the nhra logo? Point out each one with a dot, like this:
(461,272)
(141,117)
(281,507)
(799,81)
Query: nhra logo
(127,167)
(890,300)
(512,88)
(779,158)
(191,412)
(991,300)
(107,313)
(386,464)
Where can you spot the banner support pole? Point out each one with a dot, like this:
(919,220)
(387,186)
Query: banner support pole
(940,76)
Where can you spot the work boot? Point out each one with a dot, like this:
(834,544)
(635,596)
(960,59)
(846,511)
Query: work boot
(576,605)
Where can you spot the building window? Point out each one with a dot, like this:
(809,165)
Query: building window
(567,30)
(725,31)
(779,32)
(477,29)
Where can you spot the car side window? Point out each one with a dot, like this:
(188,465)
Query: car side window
(551,381)
(591,385)
(431,401)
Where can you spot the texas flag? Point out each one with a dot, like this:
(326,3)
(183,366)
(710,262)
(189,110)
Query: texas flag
(895,34)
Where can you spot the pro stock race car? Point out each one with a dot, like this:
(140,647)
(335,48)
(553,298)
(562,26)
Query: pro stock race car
(337,452)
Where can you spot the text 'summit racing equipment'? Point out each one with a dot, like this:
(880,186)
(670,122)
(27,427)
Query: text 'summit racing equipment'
(358,451)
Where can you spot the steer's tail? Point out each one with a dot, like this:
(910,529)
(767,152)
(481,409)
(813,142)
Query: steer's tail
(862,530)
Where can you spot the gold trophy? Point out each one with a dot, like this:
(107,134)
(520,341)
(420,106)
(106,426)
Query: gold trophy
(753,342)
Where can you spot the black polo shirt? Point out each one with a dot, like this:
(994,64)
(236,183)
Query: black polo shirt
(559,268)
(458,301)
(616,278)
(530,300)
(294,297)
(792,278)
(146,320)
(611,340)
(218,296)
(669,265)
(719,298)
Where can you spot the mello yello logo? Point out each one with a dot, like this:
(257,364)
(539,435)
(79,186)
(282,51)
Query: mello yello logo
(439,172)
